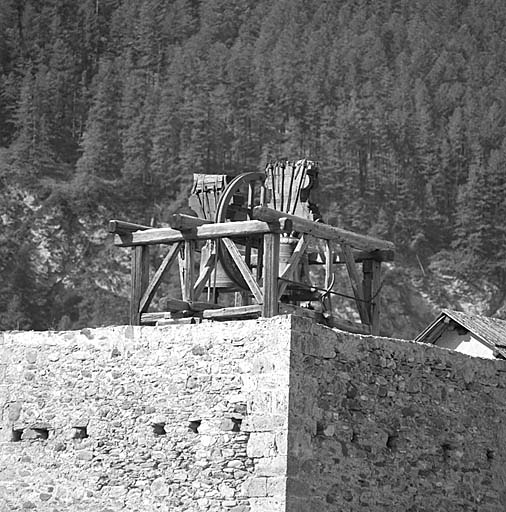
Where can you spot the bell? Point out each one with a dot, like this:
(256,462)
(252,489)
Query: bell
(287,246)
(218,278)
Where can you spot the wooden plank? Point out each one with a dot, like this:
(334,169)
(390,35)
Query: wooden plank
(250,311)
(243,268)
(205,272)
(187,269)
(123,227)
(204,232)
(293,263)
(185,305)
(329,320)
(271,273)
(183,222)
(375,291)
(356,283)
(367,284)
(338,258)
(329,272)
(321,230)
(139,281)
(346,325)
(164,267)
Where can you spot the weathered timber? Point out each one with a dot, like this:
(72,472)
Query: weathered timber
(356,283)
(315,257)
(121,227)
(325,231)
(187,269)
(243,269)
(139,281)
(174,305)
(183,222)
(239,312)
(329,272)
(375,299)
(164,267)
(329,320)
(207,231)
(293,263)
(205,272)
(377,255)
(271,275)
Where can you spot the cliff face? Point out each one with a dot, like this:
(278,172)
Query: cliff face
(263,415)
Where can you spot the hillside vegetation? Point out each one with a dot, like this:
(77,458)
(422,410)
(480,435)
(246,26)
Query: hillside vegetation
(107,108)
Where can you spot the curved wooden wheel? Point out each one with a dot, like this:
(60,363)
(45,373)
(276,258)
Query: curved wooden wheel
(242,194)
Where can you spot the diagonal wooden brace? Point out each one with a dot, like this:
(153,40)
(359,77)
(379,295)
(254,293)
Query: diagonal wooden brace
(244,269)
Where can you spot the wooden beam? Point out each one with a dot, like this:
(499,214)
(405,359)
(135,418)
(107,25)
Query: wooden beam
(206,270)
(185,305)
(164,267)
(293,263)
(250,311)
(378,255)
(329,272)
(121,227)
(204,232)
(321,230)
(338,258)
(139,281)
(356,283)
(183,222)
(375,299)
(329,320)
(244,269)
(271,273)
(367,284)
(187,270)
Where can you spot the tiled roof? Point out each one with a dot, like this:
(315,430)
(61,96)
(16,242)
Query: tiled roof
(490,331)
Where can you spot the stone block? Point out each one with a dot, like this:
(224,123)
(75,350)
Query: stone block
(271,466)
(267,505)
(254,487)
(14,411)
(261,444)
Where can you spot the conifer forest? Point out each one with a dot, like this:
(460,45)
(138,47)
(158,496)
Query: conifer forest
(108,107)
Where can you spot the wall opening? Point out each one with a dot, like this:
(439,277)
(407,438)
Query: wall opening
(193,426)
(80,433)
(392,441)
(16,434)
(41,433)
(159,429)
(447,448)
(237,424)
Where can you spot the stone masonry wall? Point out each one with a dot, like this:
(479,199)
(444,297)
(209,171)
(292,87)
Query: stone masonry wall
(189,418)
(386,425)
(272,415)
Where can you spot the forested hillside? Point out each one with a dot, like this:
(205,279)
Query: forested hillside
(107,107)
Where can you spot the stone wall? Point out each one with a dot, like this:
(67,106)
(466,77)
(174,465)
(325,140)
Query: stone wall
(268,415)
(145,418)
(387,425)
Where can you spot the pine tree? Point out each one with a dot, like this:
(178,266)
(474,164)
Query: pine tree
(101,162)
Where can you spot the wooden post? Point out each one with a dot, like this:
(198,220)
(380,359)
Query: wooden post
(187,270)
(371,285)
(329,272)
(271,274)
(356,284)
(139,281)
(375,291)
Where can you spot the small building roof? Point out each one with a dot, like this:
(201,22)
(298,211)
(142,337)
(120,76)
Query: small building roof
(490,331)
